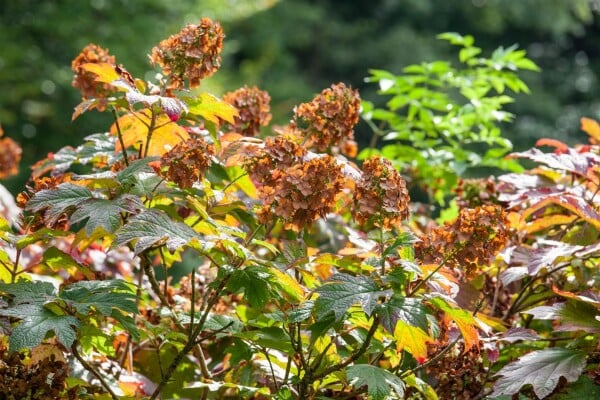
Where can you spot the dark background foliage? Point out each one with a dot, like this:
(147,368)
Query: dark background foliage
(293,49)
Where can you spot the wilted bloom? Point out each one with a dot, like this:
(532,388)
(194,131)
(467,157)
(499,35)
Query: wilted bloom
(473,239)
(86,81)
(10,156)
(187,162)
(278,153)
(381,196)
(40,219)
(253,109)
(192,54)
(329,119)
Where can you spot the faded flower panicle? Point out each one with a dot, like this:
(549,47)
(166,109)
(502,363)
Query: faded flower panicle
(192,54)
(187,162)
(86,81)
(329,119)
(10,156)
(380,196)
(302,193)
(38,220)
(473,239)
(476,192)
(253,109)
(278,153)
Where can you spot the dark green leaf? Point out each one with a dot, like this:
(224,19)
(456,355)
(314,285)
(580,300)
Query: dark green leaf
(407,309)
(542,369)
(583,388)
(254,282)
(101,296)
(342,291)
(58,201)
(270,337)
(379,382)
(152,227)
(107,214)
(129,175)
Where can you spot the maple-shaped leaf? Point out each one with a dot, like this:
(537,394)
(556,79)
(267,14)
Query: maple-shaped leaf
(572,161)
(58,201)
(572,202)
(153,227)
(254,282)
(172,106)
(29,303)
(211,108)
(135,130)
(542,370)
(105,213)
(378,381)
(342,291)
(407,309)
(412,339)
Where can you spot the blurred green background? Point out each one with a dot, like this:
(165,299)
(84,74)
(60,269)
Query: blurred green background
(293,49)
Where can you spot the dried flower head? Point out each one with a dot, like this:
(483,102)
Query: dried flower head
(192,54)
(10,156)
(472,240)
(86,81)
(302,193)
(278,153)
(253,109)
(40,219)
(381,197)
(476,192)
(329,119)
(187,162)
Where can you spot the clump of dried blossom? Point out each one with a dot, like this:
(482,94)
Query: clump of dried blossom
(328,120)
(253,109)
(381,197)
(477,235)
(187,162)
(193,54)
(10,156)
(86,81)
(476,192)
(40,219)
(293,188)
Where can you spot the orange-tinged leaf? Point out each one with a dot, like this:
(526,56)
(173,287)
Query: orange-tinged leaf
(212,109)
(549,221)
(135,127)
(463,319)
(575,204)
(592,298)
(591,127)
(412,339)
(105,72)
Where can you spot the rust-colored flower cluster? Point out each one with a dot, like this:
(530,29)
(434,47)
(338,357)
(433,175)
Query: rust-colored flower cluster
(293,188)
(10,156)
(381,197)
(187,162)
(329,119)
(472,240)
(193,54)
(253,109)
(86,81)
(40,219)
(476,192)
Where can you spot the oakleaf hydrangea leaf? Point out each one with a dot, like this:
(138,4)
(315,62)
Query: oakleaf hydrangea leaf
(379,382)
(541,369)
(152,227)
(105,213)
(58,201)
(342,291)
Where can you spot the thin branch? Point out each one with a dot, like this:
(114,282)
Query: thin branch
(120,136)
(89,367)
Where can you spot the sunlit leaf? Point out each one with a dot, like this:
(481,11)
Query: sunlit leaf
(591,127)
(105,72)
(407,309)
(413,340)
(211,108)
(463,319)
(542,369)
(135,129)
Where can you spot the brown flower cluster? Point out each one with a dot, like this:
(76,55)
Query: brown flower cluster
(187,162)
(39,220)
(473,239)
(253,109)
(86,81)
(476,192)
(381,197)
(329,119)
(294,189)
(193,53)
(10,156)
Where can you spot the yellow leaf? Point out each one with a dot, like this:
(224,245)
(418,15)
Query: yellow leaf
(591,127)
(135,131)
(463,319)
(549,221)
(289,285)
(412,339)
(105,72)
(212,109)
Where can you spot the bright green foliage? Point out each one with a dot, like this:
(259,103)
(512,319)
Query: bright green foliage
(379,382)
(445,121)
